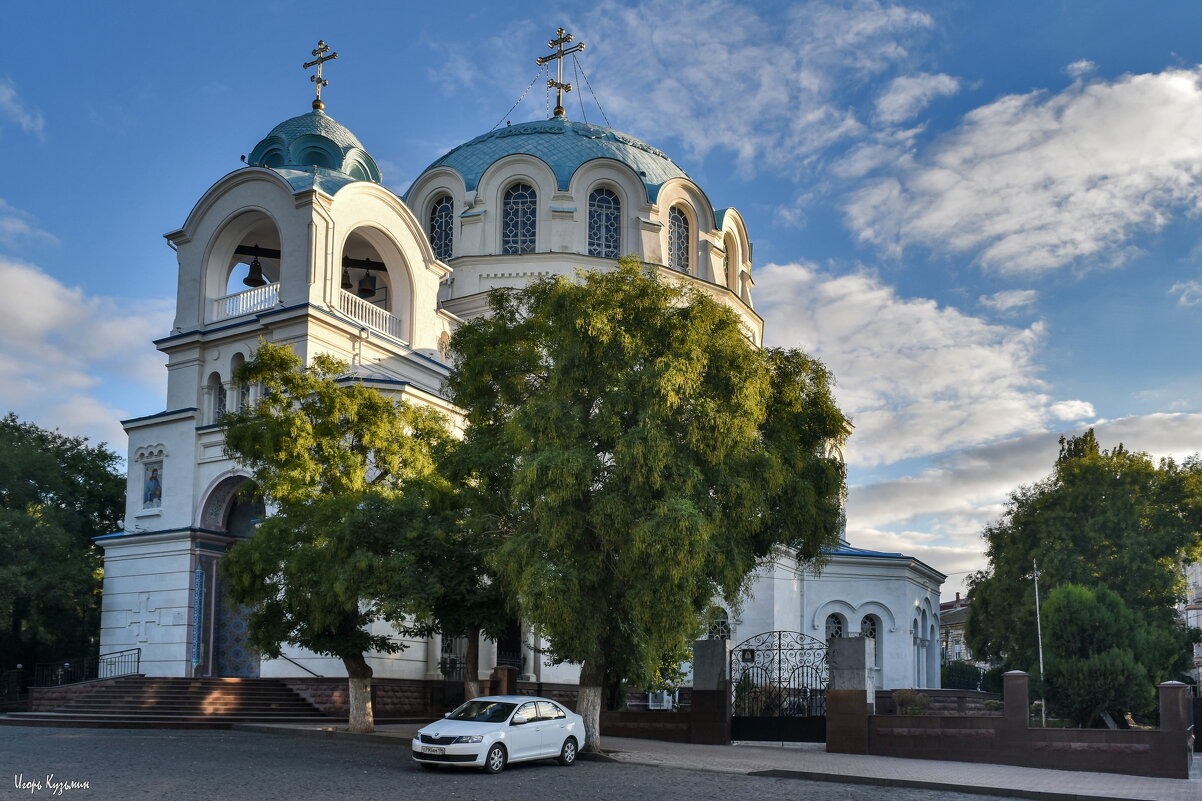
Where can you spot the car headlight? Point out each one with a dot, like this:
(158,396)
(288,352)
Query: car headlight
(470,738)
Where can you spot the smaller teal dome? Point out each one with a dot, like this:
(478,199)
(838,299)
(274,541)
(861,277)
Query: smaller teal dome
(315,140)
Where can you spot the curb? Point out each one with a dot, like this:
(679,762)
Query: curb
(379,738)
(918,784)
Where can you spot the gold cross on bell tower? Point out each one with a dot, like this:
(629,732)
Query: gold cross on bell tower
(562,37)
(320,51)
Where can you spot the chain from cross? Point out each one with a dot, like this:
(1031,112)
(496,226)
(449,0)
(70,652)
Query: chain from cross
(320,51)
(562,37)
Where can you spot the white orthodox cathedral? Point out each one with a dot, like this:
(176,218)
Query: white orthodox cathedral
(304,245)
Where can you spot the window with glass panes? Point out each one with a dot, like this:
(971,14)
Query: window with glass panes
(519,212)
(678,240)
(442,221)
(604,223)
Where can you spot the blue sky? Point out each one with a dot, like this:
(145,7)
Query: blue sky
(984,217)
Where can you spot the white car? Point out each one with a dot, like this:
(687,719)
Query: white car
(492,731)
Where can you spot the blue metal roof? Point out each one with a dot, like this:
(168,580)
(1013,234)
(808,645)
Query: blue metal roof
(319,123)
(292,143)
(564,145)
(328,181)
(847,550)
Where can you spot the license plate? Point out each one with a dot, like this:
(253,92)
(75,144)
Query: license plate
(428,749)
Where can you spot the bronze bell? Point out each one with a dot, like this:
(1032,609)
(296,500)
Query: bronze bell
(346,280)
(254,277)
(367,286)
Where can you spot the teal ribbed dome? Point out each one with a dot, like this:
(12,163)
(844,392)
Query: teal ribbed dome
(315,140)
(564,145)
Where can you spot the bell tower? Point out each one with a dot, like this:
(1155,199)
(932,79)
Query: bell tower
(300,245)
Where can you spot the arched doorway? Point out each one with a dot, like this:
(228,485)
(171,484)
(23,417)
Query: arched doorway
(231,510)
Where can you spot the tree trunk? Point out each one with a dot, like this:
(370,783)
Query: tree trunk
(359,715)
(588,703)
(471,670)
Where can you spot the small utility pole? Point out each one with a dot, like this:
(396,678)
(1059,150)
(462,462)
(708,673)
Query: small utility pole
(1043,705)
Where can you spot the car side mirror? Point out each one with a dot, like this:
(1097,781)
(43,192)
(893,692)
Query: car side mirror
(518,720)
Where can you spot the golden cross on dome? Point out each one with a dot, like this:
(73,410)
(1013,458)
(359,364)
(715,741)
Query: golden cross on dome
(562,37)
(320,51)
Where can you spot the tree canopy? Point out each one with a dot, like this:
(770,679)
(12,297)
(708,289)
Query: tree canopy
(1103,519)
(325,451)
(57,492)
(638,456)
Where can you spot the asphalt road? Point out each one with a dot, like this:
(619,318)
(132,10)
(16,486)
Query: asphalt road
(215,765)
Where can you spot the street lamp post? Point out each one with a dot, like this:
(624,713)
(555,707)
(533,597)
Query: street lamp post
(1043,706)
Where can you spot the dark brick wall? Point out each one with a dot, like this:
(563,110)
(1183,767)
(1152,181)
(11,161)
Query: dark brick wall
(393,697)
(674,727)
(1009,740)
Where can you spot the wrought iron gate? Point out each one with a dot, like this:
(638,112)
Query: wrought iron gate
(778,687)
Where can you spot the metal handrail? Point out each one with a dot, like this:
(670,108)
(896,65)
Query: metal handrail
(89,668)
(302,667)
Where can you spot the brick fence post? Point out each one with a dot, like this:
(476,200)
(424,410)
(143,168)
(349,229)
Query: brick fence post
(1175,751)
(851,698)
(709,715)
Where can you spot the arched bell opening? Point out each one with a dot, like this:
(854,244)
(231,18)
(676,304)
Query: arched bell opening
(244,267)
(374,285)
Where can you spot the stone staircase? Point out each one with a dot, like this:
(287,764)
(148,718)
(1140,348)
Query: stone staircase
(175,703)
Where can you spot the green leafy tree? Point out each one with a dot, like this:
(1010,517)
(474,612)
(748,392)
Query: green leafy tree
(57,492)
(638,456)
(1112,519)
(440,575)
(1092,639)
(325,451)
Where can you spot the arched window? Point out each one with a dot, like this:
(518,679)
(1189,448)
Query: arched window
(868,627)
(719,624)
(217,393)
(834,627)
(242,398)
(604,224)
(442,220)
(678,239)
(519,213)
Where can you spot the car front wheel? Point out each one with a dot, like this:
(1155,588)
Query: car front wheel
(567,754)
(494,761)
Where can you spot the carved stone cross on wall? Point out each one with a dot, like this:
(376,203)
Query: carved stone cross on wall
(143,615)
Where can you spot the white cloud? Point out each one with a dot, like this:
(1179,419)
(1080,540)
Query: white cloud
(720,74)
(1189,293)
(916,378)
(1009,300)
(967,489)
(907,95)
(14,108)
(17,225)
(1072,410)
(1035,182)
(1080,68)
(59,347)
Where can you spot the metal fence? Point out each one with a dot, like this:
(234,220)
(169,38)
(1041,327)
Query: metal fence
(104,666)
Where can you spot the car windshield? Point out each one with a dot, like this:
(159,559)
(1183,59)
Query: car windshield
(483,711)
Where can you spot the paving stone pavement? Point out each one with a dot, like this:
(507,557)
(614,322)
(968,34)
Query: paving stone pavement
(813,763)
(172,765)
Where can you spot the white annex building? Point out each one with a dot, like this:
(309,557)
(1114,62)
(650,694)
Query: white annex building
(303,245)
